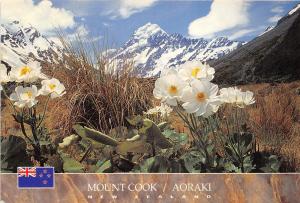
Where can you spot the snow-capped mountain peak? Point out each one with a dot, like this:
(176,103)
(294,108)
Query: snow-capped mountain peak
(152,49)
(141,35)
(21,41)
(297,7)
(269,28)
(148,30)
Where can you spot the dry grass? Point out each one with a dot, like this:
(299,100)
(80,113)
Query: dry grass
(95,96)
(275,120)
(275,116)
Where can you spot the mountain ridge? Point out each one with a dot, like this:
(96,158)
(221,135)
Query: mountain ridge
(152,49)
(21,42)
(271,57)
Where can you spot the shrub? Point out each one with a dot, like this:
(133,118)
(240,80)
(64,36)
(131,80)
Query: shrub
(273,117)
(98,96)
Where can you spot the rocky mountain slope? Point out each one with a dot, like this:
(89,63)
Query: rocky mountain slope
(19,42)
(272,56)
(152,49)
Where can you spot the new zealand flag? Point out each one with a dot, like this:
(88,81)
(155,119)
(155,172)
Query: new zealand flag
(35,177)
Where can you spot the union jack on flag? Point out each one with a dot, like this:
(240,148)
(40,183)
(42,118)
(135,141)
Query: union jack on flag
(26,171)
(35,177)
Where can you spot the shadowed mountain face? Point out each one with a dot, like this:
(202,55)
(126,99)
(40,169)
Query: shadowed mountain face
(271,57)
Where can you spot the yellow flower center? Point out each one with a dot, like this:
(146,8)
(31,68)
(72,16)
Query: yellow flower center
(173,89)
(29,94)
(200,97)
(25,70)
(195,71)
(52,86)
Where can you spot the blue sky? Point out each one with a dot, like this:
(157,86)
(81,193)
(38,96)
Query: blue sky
(114,21)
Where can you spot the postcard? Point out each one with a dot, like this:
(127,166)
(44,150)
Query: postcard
(150,101)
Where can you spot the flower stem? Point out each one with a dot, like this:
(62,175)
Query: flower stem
(44,112)
(237,119)
(185,119)
(10,102)
(24,131)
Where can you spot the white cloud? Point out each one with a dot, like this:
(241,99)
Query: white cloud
(223,15)
(80,31)
(125,8)
(105,24)
(277,9)
(83,33)
(94,39)
(254,31)
(241,33)
(42,15)
(278,14)
(274,19)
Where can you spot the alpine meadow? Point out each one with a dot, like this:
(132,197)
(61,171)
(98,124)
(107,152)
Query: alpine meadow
(203,99)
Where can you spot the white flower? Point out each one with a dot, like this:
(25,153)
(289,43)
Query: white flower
(235,96)
(53,87)
(169,88)
(229,95)
(28,73)
(212,108)
(67,141)
(196,70)
(134,138)
(247,98)
(167,71)
(3,74)
(152,111)
(24,96)
(201,98)
(163,110)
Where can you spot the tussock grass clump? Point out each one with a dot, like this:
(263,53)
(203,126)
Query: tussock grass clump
(274,117)
(96,95)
